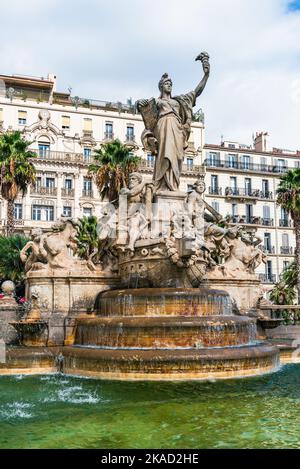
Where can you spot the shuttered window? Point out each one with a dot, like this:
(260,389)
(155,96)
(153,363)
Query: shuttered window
(65,122)
(87,125)
(22,117)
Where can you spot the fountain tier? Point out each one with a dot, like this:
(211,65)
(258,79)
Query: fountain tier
(166,333)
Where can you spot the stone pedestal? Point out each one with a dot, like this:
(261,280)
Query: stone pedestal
(164,205)
(61,298)
(8,313)
(245,293)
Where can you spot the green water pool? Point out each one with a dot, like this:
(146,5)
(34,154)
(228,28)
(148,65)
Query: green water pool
(55,411)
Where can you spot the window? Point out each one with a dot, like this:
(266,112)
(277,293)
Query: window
(245,162)
(130,133)
(43,213)
(38,182)
(18,210)
(108,129)
(150,160)
(215,206)
(297,164)
(263,163)
(233,184)
(44,148)
(190,162)
(213,159)
(249,213)
(231,161)
(22,117)
(234,210)
(214,184)
(231,145)
(280,165)
(87,125)
(50,182)
(68,183)
(269,270)
(87,212)
(87,152)
(248,186)
(265,187)
(286,264)
(65,125)
(266,212)
(285,240)
(1,115)
(267,242)
(67,211)
(87,184)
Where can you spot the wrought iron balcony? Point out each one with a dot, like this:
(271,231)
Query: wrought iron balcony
(129,138)
(243,166)
(63,156)
(108,136)
(87,133)
(241,193)
(287,250)
(267,249)
(87,193)
(285,222)
(244,220)
(43,190)
(215,190)
(66,192)
(267,278)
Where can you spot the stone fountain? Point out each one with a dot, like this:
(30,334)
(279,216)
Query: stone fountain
(173,281)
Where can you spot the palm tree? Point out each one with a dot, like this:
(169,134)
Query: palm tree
(17,171)
(87,238)
(114,163)
(288,196)
(11,266)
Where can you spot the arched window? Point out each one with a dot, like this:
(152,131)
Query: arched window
(44,146)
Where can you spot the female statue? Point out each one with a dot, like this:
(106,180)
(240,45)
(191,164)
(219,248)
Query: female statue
(167,127)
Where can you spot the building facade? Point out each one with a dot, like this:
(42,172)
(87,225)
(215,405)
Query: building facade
(64,130)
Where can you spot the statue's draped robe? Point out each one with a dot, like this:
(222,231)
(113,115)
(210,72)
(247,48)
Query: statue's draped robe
(172,133)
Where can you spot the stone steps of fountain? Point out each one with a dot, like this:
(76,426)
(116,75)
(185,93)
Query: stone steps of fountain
(164,332)
(174,364)
(164,302)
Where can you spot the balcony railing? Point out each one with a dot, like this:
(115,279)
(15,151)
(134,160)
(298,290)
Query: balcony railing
(87,193)
(43,190)
(267,278)
(244,220)
(129,138)
(284,222)
(238,165)
(287,250)
(66,192)
(108,135)
(251,193)
(267,249)
(87,133)
(215,190)
(63,156)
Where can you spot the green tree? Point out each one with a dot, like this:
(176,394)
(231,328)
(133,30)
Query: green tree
(288,196)
(113,164)
(87,238)
(11,266)
(17,171)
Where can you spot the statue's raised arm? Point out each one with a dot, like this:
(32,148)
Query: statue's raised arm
(167,122)
(204,58)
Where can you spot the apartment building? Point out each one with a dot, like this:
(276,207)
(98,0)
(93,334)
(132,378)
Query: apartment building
(64,132)
(241,184)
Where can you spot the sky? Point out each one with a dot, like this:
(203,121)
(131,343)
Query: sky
(114,50)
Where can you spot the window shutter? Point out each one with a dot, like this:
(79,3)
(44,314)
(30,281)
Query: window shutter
(65,121)
(87,125)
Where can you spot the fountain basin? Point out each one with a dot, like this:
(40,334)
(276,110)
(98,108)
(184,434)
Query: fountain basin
(170,364)
(165,332)
(32,333)
(164,302)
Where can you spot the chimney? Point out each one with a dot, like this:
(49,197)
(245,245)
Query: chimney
(261,142)
(52,77)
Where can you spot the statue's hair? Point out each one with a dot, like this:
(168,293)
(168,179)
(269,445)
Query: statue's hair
(137,175)
(165,77)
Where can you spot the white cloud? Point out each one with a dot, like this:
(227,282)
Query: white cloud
(114,50)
